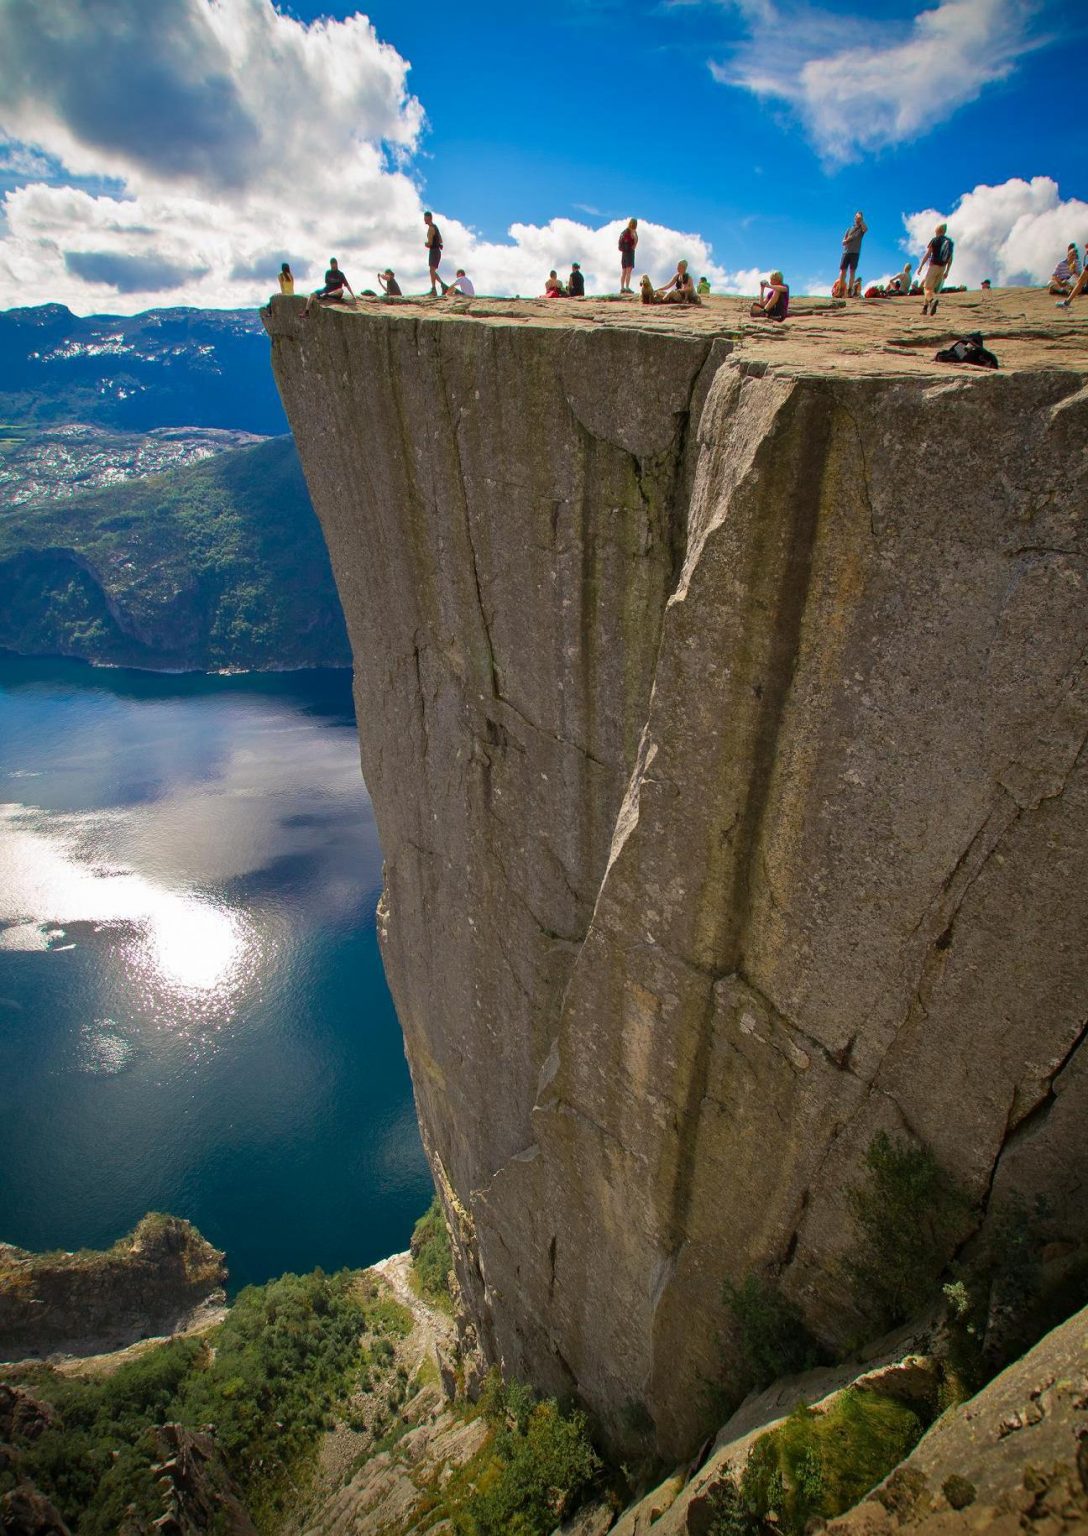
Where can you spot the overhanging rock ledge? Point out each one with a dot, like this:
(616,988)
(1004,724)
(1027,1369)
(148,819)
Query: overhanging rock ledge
(722,703)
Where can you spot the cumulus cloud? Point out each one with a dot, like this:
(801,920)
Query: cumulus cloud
(1013,233)
(855,94)
(181,162)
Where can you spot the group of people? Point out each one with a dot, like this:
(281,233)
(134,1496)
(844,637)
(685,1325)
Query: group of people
(337,289)
(929,280)
(1069,279)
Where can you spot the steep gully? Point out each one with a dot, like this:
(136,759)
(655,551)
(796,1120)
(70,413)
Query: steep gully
(724,725)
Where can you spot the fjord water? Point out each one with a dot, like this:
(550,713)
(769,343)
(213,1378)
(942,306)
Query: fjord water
(193,1014)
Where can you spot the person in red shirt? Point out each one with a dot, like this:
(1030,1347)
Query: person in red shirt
(628,241)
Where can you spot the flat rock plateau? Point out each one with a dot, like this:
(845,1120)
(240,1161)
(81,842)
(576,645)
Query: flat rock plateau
(721,697)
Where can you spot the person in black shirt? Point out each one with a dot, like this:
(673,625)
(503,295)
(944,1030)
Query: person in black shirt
(389,285)
(433,242)
(333,291)
(679,289)
(576,286)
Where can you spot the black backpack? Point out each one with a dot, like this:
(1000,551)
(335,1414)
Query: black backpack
(969,349)
(944,252)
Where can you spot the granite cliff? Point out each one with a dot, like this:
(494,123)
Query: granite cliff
(721,697)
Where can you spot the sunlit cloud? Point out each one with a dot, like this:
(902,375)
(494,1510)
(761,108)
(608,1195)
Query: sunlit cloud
(855,95)
(212,183)
(1012,233)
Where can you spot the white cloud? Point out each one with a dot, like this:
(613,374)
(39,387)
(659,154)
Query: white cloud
(856,95)
(238,137)
(1012,233)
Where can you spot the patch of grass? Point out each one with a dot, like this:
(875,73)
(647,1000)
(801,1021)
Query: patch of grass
(383,1315)
(774,1340)
(910,1214)
(815,1466)
(432,1257)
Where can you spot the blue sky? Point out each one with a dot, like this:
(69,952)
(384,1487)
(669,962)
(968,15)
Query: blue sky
(615,107)
(178,164)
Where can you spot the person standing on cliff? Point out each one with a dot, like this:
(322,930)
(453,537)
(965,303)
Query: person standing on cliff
(628,241)
(851,252)
(433,242)
(936,263)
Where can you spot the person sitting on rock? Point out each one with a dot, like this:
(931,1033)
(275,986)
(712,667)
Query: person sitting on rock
(774,299)
(1079,287)
(389,285)
(333,291)
(1065,273)
(680,289)
(553,288)
(461,284)
(900,283)
(576,283)
(702,287)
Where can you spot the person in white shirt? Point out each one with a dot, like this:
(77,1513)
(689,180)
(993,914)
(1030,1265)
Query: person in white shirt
(460,284)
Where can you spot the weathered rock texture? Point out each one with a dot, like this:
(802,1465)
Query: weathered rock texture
(722,704)
(150,1283)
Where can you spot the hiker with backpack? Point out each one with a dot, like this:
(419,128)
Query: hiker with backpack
(628,241)
(936,264)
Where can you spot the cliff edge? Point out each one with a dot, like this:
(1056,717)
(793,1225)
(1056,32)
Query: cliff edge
(721,697)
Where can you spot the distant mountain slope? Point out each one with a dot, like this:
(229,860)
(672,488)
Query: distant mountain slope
(217,565)
(55,463)
(165,368)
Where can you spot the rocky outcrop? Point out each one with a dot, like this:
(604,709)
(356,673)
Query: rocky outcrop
(25,1511)
(148,1284)
(197,1492)
(1015,1457)
(722,705)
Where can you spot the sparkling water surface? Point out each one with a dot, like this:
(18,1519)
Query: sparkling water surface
(193,1014)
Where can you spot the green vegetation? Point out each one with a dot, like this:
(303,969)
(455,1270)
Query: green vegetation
(773,1338)
(220,564)
(432,1258)
(910,1214)
(285,1354)
(538,1466)
(815,1466)
(1003,1300)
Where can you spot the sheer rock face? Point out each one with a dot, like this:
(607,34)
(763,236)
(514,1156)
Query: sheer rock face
(725,724)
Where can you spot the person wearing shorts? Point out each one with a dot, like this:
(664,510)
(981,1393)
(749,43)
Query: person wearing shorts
(628,241)
(851,251)
(937,263)
(433,242)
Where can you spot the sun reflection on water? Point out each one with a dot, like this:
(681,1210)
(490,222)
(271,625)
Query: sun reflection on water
(194,945)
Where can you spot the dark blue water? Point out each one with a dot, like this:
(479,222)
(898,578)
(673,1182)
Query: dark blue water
(193,1014)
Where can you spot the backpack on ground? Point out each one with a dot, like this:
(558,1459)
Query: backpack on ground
(969,349)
